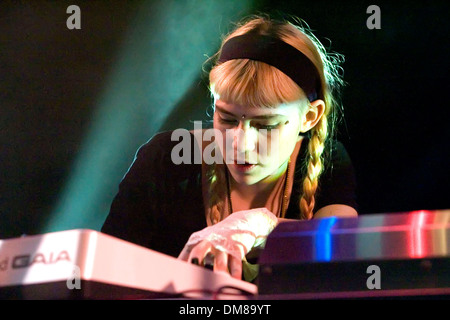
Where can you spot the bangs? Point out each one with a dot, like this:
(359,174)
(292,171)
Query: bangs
(253,84)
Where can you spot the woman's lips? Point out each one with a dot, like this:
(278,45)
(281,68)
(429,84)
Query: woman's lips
(244,167)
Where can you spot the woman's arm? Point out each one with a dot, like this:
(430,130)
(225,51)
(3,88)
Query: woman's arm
(336,210)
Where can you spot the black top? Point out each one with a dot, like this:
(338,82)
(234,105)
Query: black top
(160,204)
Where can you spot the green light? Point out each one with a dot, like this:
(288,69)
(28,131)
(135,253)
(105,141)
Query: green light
(162,56)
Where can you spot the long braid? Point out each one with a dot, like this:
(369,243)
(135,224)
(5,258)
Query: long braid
(314,167)
(216,179)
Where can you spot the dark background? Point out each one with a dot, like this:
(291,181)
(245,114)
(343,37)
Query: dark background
(396,106)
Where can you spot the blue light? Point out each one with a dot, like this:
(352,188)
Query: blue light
(323,240)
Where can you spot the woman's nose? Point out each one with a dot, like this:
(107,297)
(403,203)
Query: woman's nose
(245,139)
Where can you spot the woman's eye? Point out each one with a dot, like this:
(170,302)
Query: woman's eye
(227,121)
(267,127)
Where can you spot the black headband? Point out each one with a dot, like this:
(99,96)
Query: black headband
(278,54)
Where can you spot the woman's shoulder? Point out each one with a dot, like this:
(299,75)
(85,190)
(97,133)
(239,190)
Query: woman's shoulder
(172,137)
(159,139)
(171,148)
(163,142)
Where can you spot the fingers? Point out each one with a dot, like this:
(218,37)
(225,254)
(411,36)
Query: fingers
(208,261)
(199,252)
(235,266)
(228,263)
(184,254)
(204,254)
(221,261)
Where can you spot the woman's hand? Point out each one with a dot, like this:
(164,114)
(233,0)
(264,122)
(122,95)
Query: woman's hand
(224,245)
(204,253)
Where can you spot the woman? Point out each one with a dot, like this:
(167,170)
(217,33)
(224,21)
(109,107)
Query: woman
(275,93)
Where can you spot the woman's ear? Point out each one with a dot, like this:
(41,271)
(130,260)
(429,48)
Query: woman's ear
(313,114)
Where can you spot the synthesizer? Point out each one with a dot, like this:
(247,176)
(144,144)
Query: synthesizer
(86,264)
(389,255)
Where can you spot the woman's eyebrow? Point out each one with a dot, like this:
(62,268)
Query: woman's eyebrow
(221,110)
(261,117)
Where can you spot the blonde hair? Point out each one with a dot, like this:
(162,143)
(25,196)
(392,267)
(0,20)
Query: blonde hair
(256,84)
